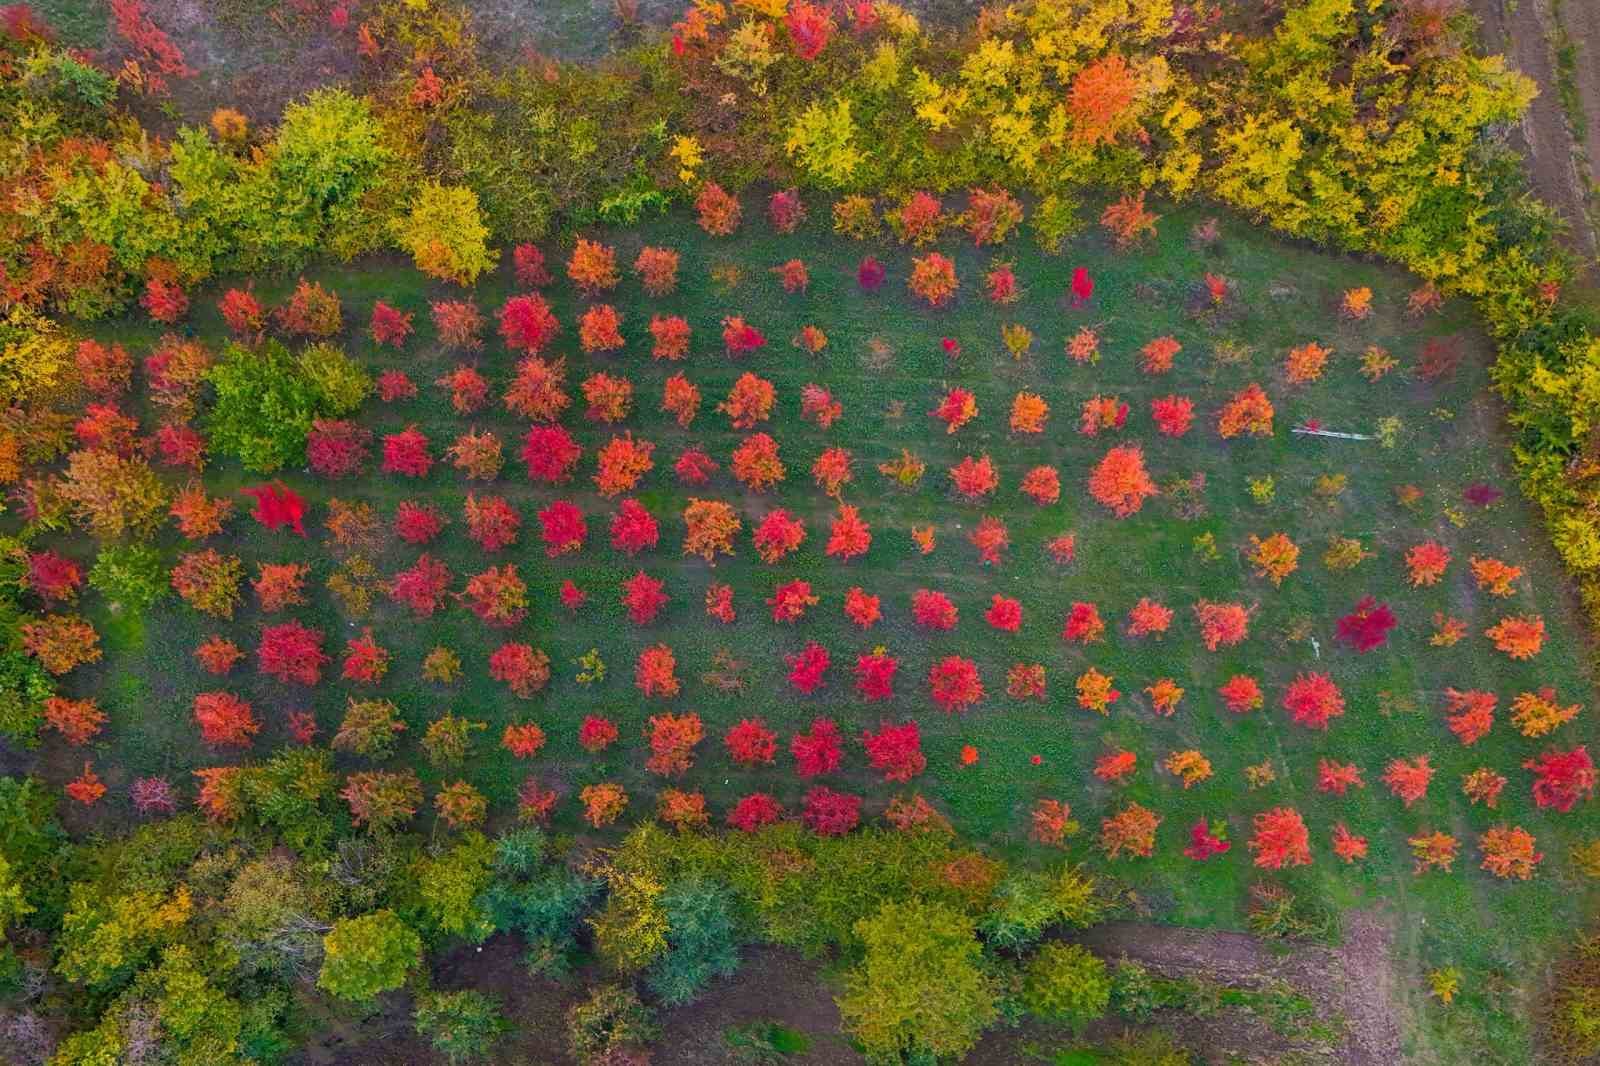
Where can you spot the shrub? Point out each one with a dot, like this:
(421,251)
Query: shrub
(1063,982)
(462,1026)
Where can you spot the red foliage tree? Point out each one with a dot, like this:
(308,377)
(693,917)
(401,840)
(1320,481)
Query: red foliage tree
(225,720)
(458,324)
(551,454)
(292,652)
(1004,614)
(974,478)
(633,528)
(954,684)
(389,325)
(78,721)
(655,672)
(818,750)
(524,669)
(218,655)
(337,448)
(754,811)
(1409,780)
(789,602)
(406,453)
(242,313)
(491,521)
(756,463)
(422,587)
(694,466)
(808,667)
(875,672)
(1241,694)
(778,535)
(849,535)
(861,607)
(538,390)
(896,750)
(1562,778)
(719,602)
(1281,839)
(1173,415)
(933,610)
(829,813)
(277,506)
(527,324)
(417,523)
(497,596)
(596,734)
(644,597)
(364,659)
(1312,699)
(1083,625)
(751,743)
(621,463)
(1367,627)
(394,385)
(531,271)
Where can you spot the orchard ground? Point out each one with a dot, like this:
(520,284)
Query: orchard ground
(884,362)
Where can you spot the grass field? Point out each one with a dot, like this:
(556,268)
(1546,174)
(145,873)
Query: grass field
(884,363)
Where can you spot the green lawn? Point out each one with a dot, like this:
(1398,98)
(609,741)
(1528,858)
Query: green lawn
(1285,295)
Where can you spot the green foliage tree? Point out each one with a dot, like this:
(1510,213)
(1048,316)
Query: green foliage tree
(368,955)
(328,157)
(1064,982)
(462,1026)
(132,577)
(445,234)
(451,884)
(701,940)
(920,988)
(338,382)
(264,407)
(1028,902)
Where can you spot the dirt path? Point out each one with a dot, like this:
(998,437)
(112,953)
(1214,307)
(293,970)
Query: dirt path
(1355,981)
(1523,32)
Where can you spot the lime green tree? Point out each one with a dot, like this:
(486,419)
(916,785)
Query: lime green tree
(920,988)
(445,234)
(367,955)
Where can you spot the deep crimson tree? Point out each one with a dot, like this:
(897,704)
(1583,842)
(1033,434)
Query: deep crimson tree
(754,811)
(527,324)
(337,448)
(277,506)
(551,454)
(807,668)
(406,453)
(644,597)
(829,813)
(954,684)
(1367,627)
(423,587)
(818,750)
(417,523)
(1562,778)
(896,750)
(875,672)
(633,528)
(292,652)
(389,325)
(562,528)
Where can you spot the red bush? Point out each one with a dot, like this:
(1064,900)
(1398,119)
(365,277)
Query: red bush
(53,577)
(1312,699)
(458,324)
(417,523)
(1562,778)
(790,602)
(896,750)
(337,448)
(596,734)
(633,528)
(242,313)
(875,673)
(694,466)
(751,743)
(497,596)
(754,811)
(655,672)
(524,669)
(819,750)
(642,595)
(1173,415)
(364,659)
(218,655)
(78,721)
(861,607)
(423,587)
(491,521)
(389,325)
(778,535)
(954,684)
(551,454)
(806,670)
(1004,614)
(933,610)
(562,528)
(1367,627)
(292,652)
(829,813)
(527,324)
(1281,839)
(406,453)
(225,719)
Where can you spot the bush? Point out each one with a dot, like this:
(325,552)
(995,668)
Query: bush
(337,382)
(611,1020)
(462,1026)
(1063,982)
